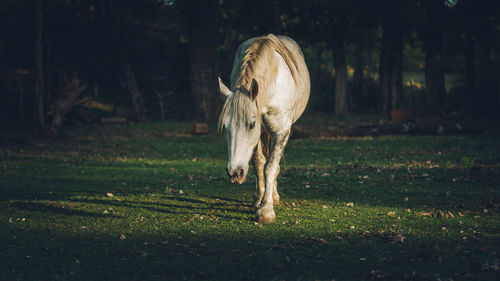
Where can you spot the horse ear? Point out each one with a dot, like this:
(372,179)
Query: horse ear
(254,89)
(223,89)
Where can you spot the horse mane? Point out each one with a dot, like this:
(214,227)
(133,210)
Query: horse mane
(259,63)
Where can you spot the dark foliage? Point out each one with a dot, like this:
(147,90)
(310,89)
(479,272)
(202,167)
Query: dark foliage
(454,44)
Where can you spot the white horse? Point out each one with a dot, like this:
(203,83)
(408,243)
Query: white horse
(269,92)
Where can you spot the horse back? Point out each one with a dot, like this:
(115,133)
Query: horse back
(303,84)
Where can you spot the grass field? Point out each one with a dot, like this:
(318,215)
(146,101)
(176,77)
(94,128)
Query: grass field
(150,202)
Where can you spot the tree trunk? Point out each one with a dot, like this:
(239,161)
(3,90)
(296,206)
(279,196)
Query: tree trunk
(358,70)
(470,68)
(162,105)
(340,78)
(203,59)
(384,68)
(397,69)
(48,73)
(40,94)
(434,48)
(135,94)
(434,75)
(20,103)
(391,65)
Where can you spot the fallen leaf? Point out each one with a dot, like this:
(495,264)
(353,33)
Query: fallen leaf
(350,204)
(109,194)
(391,213)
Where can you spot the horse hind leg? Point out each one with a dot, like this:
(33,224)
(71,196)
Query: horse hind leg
(276,196)
(258,162)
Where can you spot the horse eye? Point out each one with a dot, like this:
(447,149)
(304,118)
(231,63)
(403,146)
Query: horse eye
(252,125)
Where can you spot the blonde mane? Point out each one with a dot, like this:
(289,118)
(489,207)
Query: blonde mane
(259,63)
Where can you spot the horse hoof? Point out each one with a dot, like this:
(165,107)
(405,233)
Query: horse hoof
(265,215)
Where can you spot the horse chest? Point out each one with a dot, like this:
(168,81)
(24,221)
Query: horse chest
(276,119)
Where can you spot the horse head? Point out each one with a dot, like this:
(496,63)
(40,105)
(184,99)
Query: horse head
(241,122)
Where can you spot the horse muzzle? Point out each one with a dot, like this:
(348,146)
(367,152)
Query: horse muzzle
(237,176)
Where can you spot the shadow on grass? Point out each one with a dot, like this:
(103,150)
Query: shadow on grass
(257,254)
(224,211)
(56,208)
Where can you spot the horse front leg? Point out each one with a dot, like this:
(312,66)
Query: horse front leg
(258,162)
(265,213)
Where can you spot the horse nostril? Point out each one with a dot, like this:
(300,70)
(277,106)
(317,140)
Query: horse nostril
(235,175)
(239,173)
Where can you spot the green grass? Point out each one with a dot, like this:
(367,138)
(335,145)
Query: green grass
(150,202)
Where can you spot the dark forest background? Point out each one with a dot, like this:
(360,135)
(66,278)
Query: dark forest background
(66,61)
